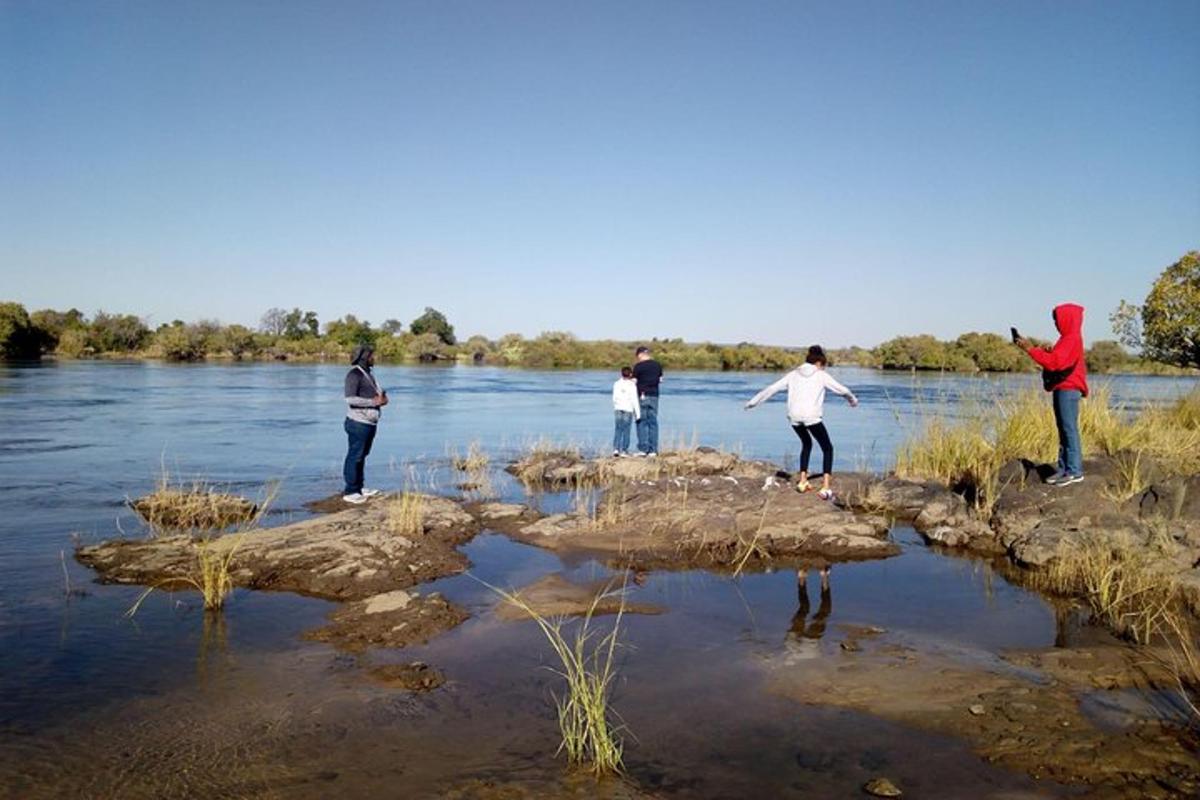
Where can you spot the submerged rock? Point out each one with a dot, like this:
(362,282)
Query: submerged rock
(882,787)
(555,596)
(416,676)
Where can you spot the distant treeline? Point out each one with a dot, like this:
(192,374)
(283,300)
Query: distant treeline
(298,335)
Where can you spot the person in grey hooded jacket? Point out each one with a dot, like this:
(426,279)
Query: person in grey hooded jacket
(364,400)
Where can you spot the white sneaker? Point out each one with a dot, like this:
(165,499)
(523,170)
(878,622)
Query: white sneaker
(355,499)
(371,492)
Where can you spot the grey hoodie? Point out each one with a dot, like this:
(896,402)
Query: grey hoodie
(361,389)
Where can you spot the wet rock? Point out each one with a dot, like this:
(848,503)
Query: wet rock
(393,619)
(555,596)
(1039,728)
(416,676)
(882,787)
(349,555)
(712,520)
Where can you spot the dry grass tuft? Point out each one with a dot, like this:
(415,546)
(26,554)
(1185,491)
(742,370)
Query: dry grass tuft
(406,514)
(195,506)
(1124,584)
(476,460)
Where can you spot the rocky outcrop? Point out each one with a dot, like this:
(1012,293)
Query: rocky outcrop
(568,469)
(711,520)
(350,555)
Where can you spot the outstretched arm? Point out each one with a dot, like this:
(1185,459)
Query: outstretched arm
(768,393)
(837,388)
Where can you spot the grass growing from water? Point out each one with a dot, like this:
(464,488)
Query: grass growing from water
(591,737)
(210,572)
(1123,583)
(474,461)
(1128,590)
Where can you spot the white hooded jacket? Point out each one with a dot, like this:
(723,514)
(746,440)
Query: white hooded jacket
(806,387)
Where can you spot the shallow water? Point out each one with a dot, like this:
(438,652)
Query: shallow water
(170,704)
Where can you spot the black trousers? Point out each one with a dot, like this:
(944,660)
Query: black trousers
(807,433)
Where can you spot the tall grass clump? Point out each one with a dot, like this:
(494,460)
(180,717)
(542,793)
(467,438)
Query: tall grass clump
(591,734)
(196,505)
(1128,589)
(210,570)
(474,461)
(968,453)
(1124,584)
(406,514)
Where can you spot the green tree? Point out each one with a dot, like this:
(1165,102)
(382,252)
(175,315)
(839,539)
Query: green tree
(299,324)
(51,325)
(392,327)
(117,333)
(18,337)
(1166,327)
(428,347)
(1106,356)
(435,322)
(913,352)
(180,342)
(990,352)
(350,331)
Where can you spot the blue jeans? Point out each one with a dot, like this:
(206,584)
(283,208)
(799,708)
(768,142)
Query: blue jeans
(647,426)
(624,421)
(360,436)
(1066,418)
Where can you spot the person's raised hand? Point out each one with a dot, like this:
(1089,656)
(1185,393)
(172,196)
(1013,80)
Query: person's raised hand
(1024,344)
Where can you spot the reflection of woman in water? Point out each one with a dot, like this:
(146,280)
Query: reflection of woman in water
(804,635)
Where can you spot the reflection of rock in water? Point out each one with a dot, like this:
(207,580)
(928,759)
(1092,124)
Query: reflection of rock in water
(803,638)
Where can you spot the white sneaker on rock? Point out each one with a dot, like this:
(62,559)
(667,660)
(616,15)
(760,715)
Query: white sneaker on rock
(371,492)
(355,499)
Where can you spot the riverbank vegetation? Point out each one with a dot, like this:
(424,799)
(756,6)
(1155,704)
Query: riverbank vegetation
(298,335)
(1165,330)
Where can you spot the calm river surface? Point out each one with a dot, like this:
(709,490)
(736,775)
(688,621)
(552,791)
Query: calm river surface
(96,705)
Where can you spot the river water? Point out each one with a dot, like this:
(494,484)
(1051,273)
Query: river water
(172,704)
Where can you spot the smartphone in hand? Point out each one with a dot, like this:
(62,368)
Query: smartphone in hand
(1016,337)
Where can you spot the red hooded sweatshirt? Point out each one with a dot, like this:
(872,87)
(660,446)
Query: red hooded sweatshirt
(1064,366)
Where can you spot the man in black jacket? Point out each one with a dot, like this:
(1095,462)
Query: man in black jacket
(648,374)
(364,399)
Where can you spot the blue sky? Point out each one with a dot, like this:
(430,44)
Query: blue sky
(774,172)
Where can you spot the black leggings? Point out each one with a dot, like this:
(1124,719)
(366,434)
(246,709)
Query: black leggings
(807,433)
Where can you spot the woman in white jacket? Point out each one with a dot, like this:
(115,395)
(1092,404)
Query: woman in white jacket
(806,387)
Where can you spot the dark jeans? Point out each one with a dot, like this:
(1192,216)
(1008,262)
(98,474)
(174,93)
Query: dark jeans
(360,436)
(1066,418)
(624,421)
(647,426)
(807,433)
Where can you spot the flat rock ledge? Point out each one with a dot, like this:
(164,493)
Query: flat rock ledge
(556,469)
(1032,522)
(354,556)
(718,520)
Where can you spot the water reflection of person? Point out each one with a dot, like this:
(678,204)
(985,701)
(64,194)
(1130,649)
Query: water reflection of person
(804,633)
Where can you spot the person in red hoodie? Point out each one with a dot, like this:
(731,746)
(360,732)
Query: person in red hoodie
(1064,375)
